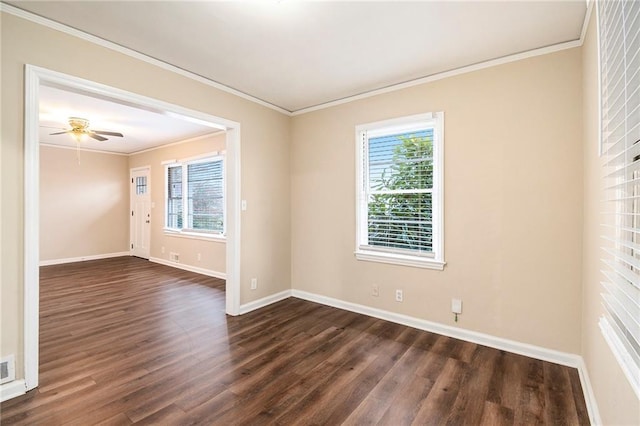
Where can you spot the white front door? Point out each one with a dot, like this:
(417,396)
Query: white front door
(140,213)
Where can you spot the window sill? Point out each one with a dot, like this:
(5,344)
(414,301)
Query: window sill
(195,235)
(399,259)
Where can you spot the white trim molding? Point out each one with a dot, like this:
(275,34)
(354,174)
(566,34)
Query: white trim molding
(265,301)
(532,351)
(445,74)
(589,396)
(537,352)
(216,238)
(392,88)
(364,134)
(397,259)
(184,267)
(134,54)
(34,78)
(83,258)
(12,390)
(31,220)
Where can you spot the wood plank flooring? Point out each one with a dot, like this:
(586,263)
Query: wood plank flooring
(127,341)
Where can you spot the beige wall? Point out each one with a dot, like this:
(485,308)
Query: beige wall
(83,204)
(513,202)
(213,253)
(522,194)
(617,402)
(265,249)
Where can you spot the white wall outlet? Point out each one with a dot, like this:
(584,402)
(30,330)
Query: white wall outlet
(174,257)
(456,306)
(399,295)
(375,290)
(243,205)
(199,257)
(254,283)
(162,249)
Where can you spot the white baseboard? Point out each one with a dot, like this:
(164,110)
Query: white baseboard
(12,389)
(532,351)
(83,258)
(261,303)
(203,271)
(589,396)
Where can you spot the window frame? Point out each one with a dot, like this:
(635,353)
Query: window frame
(186,232)
(363,133)
(620,273)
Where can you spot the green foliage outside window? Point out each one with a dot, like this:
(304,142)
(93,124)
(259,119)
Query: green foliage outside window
(400,205)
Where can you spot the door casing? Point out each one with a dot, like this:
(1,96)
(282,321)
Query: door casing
(35,77)
(140,219)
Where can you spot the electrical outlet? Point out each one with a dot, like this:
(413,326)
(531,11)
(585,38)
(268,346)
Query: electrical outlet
(199,257)
(162,249)
(456,306)
(375,290)
(399,295)
(254,283)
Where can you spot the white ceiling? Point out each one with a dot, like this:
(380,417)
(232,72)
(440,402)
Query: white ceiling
(142,129)
(296,54)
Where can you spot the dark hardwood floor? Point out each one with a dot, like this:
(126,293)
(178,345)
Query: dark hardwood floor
(127,341)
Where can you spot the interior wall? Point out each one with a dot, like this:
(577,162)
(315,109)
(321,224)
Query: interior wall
(512,202)
(213,253)
(514,198)
(84,200)
(265,236)
(617,403)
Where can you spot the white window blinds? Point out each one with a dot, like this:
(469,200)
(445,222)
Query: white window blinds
(174,197)
(206,190)
(399,190)
(619,36)
(195,196)
(399,165)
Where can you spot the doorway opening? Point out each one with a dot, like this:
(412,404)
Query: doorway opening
(35,78)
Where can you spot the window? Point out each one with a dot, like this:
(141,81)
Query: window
(399,204)
(141,185)
(619,37)
(195,201)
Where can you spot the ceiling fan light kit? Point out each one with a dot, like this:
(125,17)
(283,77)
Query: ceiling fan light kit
(80,128)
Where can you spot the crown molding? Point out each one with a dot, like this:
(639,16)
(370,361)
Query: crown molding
(587,18)
(392,88)
(134,54)
(446,74)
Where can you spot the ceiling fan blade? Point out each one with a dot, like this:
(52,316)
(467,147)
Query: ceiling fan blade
(60,133)
(96,137)
(102,132)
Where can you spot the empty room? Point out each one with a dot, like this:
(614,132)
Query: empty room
(291,212)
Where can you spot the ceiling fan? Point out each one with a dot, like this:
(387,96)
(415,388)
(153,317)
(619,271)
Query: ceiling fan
(80,126)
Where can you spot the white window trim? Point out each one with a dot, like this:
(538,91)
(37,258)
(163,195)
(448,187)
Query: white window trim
(194,235)
(187,232)
(389,126)
(613,243)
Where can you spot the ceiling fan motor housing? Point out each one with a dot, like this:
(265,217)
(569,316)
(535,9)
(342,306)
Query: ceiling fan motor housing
(78,124)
